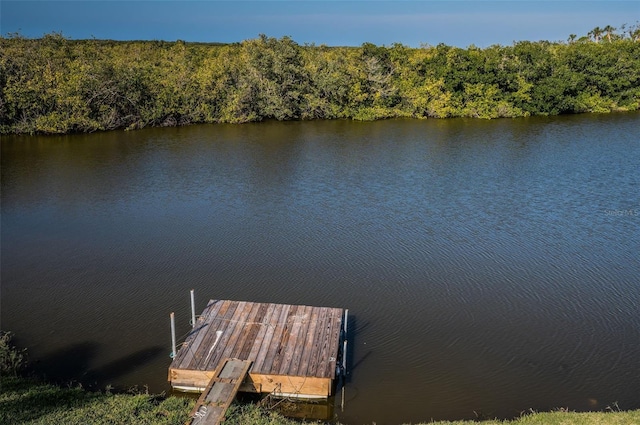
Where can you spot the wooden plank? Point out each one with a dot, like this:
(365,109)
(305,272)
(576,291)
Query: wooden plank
(182,353)
(274,344)
(188,349)
(220,323)
(210,335)
(228,332)
(270,336)
(261,336)
(232,370)
(240,334)
(207,415)
(212,321)
(336,340)
(300,386)
(301,368)
(297,334)
(321,332)
(220,392)
(243,351)
(228,328)
(281,351)
(307,328)
(190,378)
(328,355)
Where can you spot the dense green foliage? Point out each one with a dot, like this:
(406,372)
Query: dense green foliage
(57,85)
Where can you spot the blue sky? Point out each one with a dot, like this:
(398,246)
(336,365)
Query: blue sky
(455,22)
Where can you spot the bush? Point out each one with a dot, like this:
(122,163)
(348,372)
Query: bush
(12,360)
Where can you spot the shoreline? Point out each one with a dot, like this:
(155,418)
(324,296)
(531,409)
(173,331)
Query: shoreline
(70,133)
(75,405)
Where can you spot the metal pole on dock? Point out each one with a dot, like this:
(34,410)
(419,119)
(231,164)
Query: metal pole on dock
(346,320)
(173,334)
(344,357)
(193,310)
(344,347)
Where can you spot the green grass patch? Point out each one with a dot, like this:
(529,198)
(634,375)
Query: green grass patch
(562,418)
(25,401)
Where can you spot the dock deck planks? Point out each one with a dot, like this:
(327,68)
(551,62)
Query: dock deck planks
(293,348)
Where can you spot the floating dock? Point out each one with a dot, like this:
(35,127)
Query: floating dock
(294,350)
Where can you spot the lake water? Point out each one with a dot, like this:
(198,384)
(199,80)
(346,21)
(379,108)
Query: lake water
(489,267)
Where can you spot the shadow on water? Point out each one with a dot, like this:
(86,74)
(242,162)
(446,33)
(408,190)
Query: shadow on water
(355,359)
(124,365)
(69,364)
(353,329)
(73,364)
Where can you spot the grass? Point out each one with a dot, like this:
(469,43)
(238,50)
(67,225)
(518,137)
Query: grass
(26,401)
(563,418)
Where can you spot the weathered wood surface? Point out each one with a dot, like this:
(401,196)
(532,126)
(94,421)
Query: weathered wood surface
(281,341)
(220,392)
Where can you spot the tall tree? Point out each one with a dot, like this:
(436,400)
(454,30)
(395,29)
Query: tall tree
(609,30)
(596,33)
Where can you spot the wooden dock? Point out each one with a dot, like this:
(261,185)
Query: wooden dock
(295,350)
(222,389)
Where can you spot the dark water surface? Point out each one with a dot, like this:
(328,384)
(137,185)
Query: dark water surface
(487,266)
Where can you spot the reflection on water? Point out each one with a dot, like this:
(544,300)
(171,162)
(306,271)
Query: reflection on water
(484,264)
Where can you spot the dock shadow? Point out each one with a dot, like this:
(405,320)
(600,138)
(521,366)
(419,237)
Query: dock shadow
(353,329)
(69,364)
(102,375)
(73,365)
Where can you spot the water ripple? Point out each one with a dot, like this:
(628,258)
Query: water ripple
(484,264)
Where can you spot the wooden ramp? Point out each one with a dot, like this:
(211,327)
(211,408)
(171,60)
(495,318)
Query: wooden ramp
(296,350)
(220,392)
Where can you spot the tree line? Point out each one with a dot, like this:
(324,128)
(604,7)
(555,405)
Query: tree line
(57,85)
